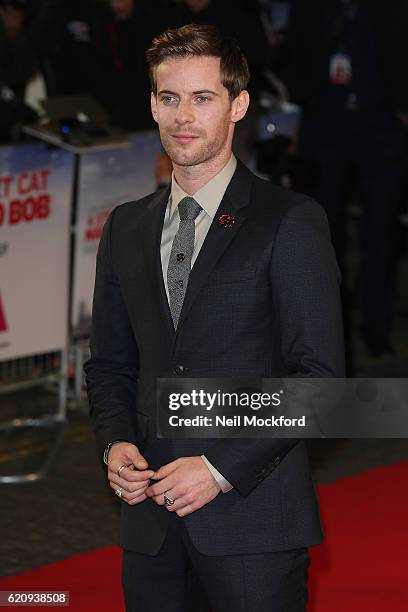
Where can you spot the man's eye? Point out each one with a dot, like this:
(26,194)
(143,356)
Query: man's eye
(202,99)
(168,99)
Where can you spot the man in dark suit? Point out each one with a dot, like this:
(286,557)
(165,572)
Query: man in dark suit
(221,275)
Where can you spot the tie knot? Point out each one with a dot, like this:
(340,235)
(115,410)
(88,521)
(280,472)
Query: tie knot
(189,209)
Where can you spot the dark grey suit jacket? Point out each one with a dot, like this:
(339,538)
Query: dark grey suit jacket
(262,301)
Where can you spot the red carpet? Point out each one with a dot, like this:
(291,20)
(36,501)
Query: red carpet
(93,580)
(360,568)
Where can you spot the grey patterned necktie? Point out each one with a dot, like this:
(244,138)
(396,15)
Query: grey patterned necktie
(180,256)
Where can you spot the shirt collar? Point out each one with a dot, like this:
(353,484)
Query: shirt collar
(210,195)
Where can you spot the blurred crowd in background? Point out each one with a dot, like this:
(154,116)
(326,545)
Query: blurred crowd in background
(98,47)
(343,62)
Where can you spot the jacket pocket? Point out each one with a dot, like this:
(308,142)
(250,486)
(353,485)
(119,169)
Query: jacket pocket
(228,276)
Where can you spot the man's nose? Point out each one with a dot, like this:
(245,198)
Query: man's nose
(184,112)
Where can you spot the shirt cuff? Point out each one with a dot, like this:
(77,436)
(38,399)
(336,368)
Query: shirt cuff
(223,483)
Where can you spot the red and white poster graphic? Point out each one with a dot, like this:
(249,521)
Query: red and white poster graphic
(107,178)
(35,202)
(3,321)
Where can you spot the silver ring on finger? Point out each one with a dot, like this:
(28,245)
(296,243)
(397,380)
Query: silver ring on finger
(119,492)
(167,500)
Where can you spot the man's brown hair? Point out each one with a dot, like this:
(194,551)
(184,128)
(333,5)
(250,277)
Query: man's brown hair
(200,40)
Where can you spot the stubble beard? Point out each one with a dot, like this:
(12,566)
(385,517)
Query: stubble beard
(185,157)
(204,153)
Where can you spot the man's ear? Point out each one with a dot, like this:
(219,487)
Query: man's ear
(153,105)
(239,106)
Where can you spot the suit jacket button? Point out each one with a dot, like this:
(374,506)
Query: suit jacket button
(178,369)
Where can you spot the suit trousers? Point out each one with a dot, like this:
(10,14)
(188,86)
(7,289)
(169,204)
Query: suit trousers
(181,579)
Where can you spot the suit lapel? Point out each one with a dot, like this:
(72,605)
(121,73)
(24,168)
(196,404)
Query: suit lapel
(236,198)
(151,249)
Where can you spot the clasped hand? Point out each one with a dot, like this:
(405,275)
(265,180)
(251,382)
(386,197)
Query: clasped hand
(187,480)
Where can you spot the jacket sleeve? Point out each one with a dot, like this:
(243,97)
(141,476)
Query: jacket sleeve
(112,370)
(305,285)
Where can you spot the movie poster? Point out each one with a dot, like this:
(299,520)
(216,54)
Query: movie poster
(35,202)
(106,179)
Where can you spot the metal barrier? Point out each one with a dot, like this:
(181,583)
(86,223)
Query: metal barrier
(80,354)
(49,372)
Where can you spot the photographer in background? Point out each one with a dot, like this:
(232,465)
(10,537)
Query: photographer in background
(67,36)
(18,64)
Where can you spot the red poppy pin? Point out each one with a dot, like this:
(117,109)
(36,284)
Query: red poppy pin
(226,221)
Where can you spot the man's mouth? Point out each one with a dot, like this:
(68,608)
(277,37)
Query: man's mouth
(184,138)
